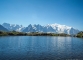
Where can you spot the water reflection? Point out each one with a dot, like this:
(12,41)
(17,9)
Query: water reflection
(40,48)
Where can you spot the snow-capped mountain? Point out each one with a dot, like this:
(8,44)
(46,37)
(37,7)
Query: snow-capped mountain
(3,28)
(51,28)
(34,28)
(12,27)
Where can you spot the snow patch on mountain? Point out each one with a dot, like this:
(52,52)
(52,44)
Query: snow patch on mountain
(51,28)
(12,27)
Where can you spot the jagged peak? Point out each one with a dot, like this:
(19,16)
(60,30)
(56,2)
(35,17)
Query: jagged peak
(45,28)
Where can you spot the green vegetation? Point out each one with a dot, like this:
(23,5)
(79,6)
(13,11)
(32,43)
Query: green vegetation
(80,34)
(14,33)
(2,33)
(46,34)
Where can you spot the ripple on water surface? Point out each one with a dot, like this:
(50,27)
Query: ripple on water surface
(40,48)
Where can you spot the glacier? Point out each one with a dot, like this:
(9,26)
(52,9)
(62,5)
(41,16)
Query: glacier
(49,28)
(12,27)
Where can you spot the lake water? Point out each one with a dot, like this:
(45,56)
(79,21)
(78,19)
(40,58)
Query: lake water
(40,48)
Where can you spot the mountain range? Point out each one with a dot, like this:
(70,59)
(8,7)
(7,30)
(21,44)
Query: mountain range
(12,27)
(49,28)
(2,28)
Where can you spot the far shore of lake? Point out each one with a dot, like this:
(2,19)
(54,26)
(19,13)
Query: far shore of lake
(15,33)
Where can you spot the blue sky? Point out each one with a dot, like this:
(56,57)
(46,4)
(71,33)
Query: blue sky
(25,12)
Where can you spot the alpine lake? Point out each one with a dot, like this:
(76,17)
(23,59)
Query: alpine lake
(40,48)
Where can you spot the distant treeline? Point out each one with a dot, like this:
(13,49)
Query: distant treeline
(80,34)
(12,33)
(46,34)
(15,33)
